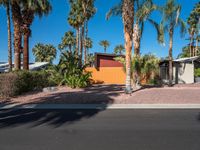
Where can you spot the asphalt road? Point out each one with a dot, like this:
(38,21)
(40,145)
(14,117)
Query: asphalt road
(99,130)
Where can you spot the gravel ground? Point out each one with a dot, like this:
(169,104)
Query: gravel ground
(108,94)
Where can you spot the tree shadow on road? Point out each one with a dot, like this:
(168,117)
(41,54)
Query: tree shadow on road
(97,95)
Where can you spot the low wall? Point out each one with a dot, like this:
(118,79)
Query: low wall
(107,75)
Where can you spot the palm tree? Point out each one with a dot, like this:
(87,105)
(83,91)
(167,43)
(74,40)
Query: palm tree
(44,52)
(142,14)
(193,22)
(29,9)
(68,41)
(171,19)
(76,19)
(17,23)
(88,12)
(126,9)
(128,21)
(87,44)
(6,3)
(119,49)
(105,44)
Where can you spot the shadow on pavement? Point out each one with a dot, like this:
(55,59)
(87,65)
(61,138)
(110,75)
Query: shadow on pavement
(102,94)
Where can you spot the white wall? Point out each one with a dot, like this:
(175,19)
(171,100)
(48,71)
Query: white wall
(183,73)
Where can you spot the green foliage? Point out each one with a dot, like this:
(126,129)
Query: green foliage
(44,52)
(145,66)
(69,71)
(105,44)
(186,52)
(119,49)
(68,41)
(197,72)
(16,83)
(193,20)
(88,43)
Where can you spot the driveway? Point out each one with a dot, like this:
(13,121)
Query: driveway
(114,94)
(99,130)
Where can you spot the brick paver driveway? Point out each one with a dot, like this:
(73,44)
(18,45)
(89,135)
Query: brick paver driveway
(115,94)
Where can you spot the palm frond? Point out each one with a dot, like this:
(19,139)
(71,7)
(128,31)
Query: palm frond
(115,11)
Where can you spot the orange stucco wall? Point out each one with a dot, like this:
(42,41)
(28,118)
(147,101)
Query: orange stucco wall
(107,75)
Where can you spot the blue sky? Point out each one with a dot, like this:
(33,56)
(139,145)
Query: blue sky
(51,28)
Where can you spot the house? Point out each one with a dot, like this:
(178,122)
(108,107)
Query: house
(4,67)
(183,70)
(107,60)
(107,70)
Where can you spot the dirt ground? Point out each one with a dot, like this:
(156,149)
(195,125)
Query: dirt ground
(108,94)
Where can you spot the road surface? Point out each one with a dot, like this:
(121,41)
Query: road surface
(99,129)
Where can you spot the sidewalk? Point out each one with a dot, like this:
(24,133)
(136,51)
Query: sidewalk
(100,106)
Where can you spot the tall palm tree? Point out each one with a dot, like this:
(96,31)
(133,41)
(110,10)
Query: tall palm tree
(143,10)
(29,9)
(105,44)
(6,3)
(68,41)
(193,22)
(119,49)
(87,44)
(76,19)
(17,23)
(128,21)
(171,19)
(88,12)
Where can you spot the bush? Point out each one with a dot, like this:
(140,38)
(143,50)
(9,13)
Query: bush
(197,72)
(70,71)
(8,85)
(16,83)
(77,81)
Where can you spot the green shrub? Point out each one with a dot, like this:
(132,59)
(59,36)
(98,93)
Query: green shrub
(16,83)
(77,81)
(71,72)
(197,72)
(8,85)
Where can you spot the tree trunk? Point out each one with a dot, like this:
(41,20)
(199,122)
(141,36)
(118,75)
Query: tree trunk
(82,43)
(104,49)
(16,17)
(26,51)
(128,21)
(136,39)
(170,57)
(196,49)
(85,48)
(9,36)
(77,40)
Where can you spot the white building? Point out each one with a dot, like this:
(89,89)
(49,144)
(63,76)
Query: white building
(183,70)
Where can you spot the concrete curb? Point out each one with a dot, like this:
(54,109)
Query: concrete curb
(100,106)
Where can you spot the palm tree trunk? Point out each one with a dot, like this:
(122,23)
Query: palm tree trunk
(128,21)
(77,40)
(196,49)
(9,36)
(81,42)
(105,49)
(136,39)
(26,51)
(85,48)
(16,17)
(170,57)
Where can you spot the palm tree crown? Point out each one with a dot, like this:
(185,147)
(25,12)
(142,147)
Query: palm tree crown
(105,44)
(119,49)
(68,41)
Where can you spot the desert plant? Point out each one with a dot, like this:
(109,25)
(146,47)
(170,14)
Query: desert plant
(44,52)
(197,72)
(74,74)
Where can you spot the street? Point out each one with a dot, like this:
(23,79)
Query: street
(100,129)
